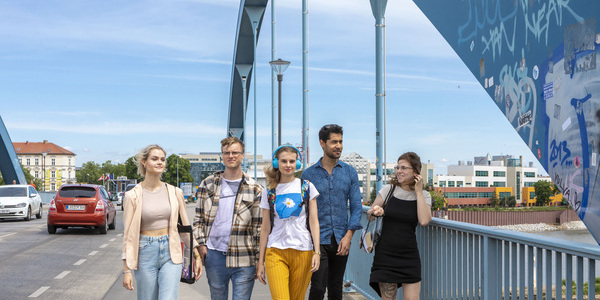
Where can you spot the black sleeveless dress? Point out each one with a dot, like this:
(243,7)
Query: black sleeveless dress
(396,254)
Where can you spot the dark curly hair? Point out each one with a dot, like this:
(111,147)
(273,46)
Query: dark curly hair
(415,162)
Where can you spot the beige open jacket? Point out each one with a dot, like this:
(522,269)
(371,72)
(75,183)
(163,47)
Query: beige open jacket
(132,219)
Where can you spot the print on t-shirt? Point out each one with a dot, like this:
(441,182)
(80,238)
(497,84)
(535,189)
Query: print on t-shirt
(288,205)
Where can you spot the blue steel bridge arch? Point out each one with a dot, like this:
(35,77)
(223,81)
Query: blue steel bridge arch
(251,14)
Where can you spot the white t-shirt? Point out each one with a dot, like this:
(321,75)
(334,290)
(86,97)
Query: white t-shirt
(221,227)
(289,225)
(403,194)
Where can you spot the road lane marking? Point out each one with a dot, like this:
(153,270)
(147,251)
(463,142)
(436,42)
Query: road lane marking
(120,234)
(62,275)
(93,253)
(39,292)
(112,240)
(3,236)
(103,245)
(79,262)
(45,225)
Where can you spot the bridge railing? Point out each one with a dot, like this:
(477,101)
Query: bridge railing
(468,261)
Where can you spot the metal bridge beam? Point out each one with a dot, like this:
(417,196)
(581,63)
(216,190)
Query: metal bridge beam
(9,162)
(249,22)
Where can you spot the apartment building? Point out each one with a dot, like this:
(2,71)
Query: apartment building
(53,164)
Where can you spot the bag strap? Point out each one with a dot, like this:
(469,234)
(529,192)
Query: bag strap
(389,196)
(305,192)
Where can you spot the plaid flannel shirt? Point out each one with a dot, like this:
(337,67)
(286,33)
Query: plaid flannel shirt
(244,240)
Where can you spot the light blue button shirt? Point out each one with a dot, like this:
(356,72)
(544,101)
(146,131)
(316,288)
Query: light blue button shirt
(336,192)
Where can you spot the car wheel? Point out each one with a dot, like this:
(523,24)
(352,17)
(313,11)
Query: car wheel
(113,224)
(103,229)
(39,214)
(51,229)
(28,217)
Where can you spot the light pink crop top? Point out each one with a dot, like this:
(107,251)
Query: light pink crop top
(155,209)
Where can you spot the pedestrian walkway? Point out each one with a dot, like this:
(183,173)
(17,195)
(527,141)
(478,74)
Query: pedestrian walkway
(200,291)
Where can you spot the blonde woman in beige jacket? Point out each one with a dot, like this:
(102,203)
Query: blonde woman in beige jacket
(151,243)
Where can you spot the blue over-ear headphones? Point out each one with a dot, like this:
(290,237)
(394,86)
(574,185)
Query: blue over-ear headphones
(298,160)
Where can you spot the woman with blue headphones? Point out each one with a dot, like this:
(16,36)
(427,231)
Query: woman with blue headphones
(290,228)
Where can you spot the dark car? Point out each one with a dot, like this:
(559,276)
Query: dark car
(81,205)
(127,189)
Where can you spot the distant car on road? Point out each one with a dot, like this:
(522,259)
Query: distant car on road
(120,198)
(19,201)
(127,189)
(81,205)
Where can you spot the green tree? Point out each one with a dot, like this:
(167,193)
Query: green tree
(130,167)
(543,191)
(373,194)
(109,168)
(89,173)
(175,163)
(437,201)
(494,201)
(508,201)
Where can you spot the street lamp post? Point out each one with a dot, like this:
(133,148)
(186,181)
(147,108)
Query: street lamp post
(279,66)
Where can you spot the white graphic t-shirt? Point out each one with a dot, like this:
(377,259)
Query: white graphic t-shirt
(289,225)
(221,227)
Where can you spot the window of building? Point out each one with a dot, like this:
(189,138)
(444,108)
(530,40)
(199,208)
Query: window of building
(518,186)
(499,183)
(36,174)
(499,174)
(504,194)
(531,195)
(37,161)
(53,174)
(528,184)
(450,183)
(481,184)
(69,160)
(53,187)
(442,183)
(20,161)
(28,162)
(459,183)
(529,174)
(459,195)
(485,194)
(481,173)
(54,161)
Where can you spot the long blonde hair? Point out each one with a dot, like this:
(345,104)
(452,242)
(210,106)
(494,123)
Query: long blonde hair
(143,155)
(274,175)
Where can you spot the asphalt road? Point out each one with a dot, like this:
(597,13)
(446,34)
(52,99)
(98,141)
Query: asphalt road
(76,263)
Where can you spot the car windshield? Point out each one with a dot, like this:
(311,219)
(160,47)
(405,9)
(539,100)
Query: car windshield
(77,192)
(13,192)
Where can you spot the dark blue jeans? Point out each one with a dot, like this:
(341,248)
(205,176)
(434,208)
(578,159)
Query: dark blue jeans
(330,275)
(218,276)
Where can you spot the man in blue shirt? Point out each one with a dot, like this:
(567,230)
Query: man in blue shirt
(337,183)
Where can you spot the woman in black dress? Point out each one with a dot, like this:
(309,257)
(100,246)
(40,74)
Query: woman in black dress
(396,263)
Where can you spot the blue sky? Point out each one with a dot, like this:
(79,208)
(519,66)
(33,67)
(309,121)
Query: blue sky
(105,78)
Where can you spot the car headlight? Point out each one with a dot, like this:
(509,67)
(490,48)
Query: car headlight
(24,204)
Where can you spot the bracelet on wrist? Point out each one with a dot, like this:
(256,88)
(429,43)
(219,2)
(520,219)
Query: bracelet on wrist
(127,272)
(318,253)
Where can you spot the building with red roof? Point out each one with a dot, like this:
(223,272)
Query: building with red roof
(53,164)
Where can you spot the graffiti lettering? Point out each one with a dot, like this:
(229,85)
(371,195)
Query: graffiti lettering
(560,152)
(570,192)
(489,13)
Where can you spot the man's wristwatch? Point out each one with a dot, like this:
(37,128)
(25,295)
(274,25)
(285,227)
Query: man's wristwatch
(318,253)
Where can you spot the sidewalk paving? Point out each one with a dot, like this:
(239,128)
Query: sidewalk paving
(200,291)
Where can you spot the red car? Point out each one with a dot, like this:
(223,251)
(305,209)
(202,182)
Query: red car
(81,205)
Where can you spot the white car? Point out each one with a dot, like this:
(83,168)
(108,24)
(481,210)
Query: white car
(120,198)
(19,201)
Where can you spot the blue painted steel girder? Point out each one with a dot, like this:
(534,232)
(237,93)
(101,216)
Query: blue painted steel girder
(9,162)
(243,59)
(537,60)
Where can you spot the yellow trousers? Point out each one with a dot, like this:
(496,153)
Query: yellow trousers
(288,272)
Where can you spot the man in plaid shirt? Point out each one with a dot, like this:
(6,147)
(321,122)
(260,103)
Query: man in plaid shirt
(227,225)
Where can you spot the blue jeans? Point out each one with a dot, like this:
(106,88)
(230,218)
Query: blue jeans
(157,277)
(218,276)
